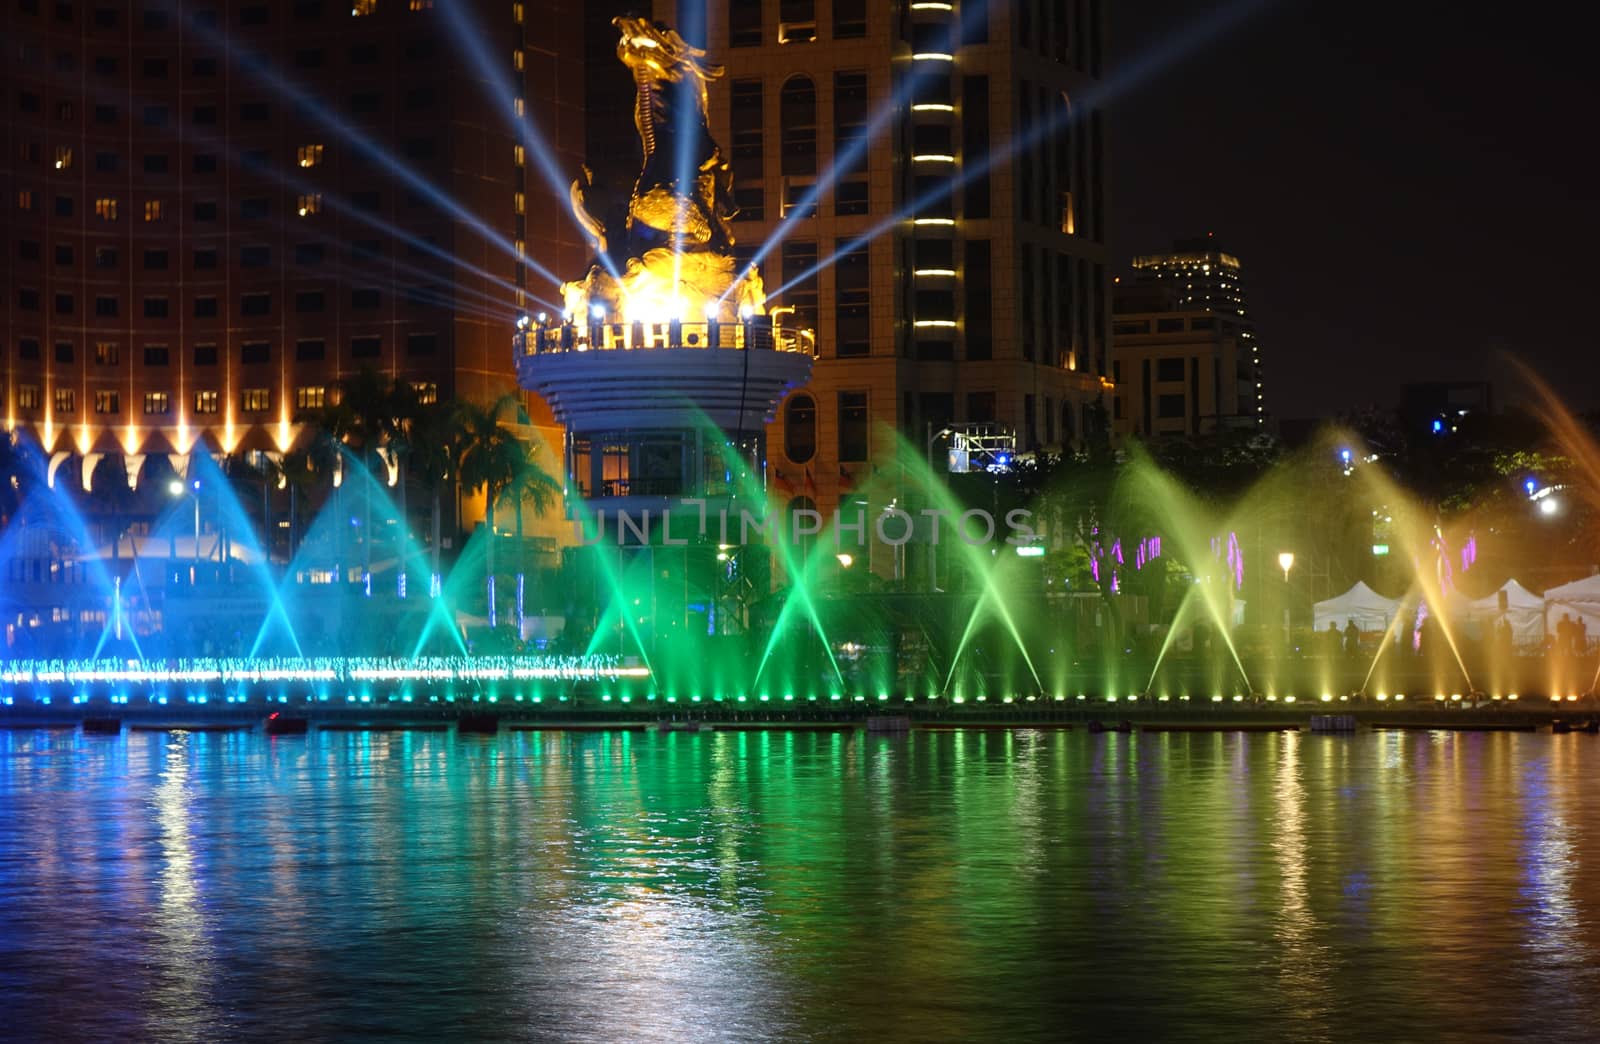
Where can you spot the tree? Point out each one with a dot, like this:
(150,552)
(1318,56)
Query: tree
(431,438)
(490,457)
(16,475)
(372,417)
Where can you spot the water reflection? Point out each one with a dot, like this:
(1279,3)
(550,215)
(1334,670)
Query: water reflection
(183,956)
(796,885)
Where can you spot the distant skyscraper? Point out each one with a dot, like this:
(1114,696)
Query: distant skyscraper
(1197,276)
(1179,369)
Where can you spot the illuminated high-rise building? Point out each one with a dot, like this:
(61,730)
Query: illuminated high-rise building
(1197,276)
(217,210)
(922,184)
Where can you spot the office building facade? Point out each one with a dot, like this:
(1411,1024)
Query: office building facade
(216,211)
(922,184)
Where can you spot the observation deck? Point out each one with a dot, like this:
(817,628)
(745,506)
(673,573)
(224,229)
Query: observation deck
(611,376)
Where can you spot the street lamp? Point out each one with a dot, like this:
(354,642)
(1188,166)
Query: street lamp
(1286,563)
(178,489)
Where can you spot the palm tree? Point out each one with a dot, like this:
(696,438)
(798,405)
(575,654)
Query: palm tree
(491,457)
(111,496)
(14,476)
(300,475)
(430,442)
(372,416)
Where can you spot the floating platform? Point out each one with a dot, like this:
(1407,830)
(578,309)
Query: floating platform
(1221,726)
(578,726)
(191,726)
(478,724)
(102,726)
(783,726)
(1454,726)
(995,726)
(383,726)
(280,724)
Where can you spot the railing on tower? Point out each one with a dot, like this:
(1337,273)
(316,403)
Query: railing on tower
(547,335)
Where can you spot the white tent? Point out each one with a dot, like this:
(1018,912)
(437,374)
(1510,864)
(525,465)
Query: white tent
(1579,600)
(1524,612)
(1370,610)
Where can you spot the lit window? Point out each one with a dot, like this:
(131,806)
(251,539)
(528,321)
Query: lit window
(28,396)
(519,155)
(205,402)
(63,157)
(25,199)
(106,353)
(107,402)
(310,204)
(157,403)
(522,247)
(255,400)
(421,5)
(105,209)
(359,8)
(516,13)
(310,397)
(66,400)
(519,107)
(152,210)
(519,203)
(427,392)
(516,60)
(310,155)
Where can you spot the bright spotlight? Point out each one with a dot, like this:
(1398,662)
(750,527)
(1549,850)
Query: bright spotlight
(712,311)
(745,312)
(175,488)
(598,311)
(543,318)
(522,322)
(1549,506)
(846,560)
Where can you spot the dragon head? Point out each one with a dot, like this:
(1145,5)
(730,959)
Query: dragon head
(660,52)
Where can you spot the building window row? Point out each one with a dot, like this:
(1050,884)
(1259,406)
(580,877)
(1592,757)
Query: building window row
(797,21)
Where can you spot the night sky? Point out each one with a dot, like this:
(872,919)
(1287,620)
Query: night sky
(1408,185)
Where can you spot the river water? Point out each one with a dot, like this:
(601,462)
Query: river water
(791,885)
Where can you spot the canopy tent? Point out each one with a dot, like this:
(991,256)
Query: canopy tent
(1580,600)
(1369,609)
(1524,611)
